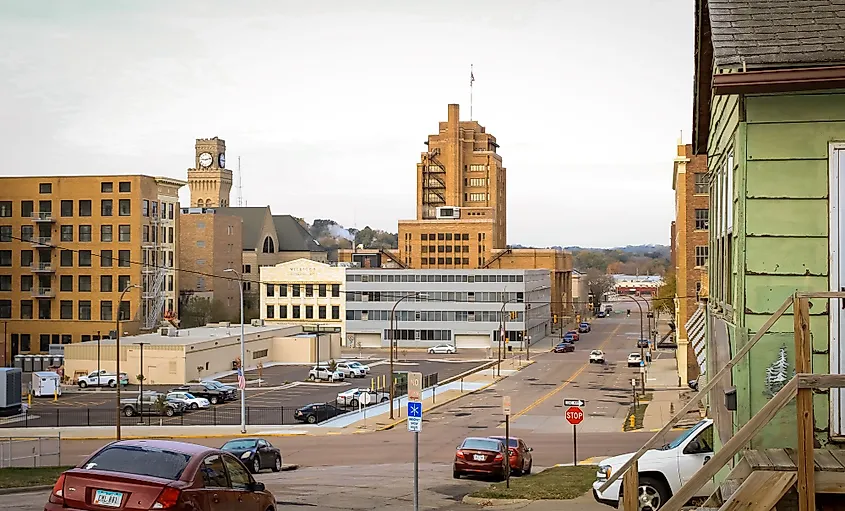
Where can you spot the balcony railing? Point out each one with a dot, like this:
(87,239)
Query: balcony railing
(43,216)
(43,292)
(45,267)
(42,241)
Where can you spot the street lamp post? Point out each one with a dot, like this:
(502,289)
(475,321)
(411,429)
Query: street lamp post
(99,340)
(243,345)
(117,355)
(391,332)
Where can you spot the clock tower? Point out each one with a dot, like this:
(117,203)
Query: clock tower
(209,181)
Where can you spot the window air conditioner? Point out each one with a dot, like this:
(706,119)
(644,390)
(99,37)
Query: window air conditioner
(448,212)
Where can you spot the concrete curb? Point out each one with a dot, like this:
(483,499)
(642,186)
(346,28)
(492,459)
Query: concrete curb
(288,467)
(25,489)
(188,437)
(478,501)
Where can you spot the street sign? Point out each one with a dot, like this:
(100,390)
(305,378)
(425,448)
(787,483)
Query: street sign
(574,402)
(574,415)
(414,387)
(506,405)
(414,417)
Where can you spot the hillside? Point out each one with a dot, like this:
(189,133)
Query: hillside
(334,236)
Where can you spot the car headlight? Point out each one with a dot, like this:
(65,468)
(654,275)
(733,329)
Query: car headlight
(246,455)
(604,471)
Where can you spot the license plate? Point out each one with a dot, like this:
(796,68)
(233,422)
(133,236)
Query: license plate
(108,498)
(479,457)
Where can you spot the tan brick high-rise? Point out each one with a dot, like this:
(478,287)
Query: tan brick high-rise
(461,199)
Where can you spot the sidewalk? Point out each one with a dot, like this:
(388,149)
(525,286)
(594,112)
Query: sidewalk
(666,394)
(584,503)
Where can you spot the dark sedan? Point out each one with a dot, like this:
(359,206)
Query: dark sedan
(159,474)
(564,347)
(642,343)
(481,456)
(255,453)
(317,412)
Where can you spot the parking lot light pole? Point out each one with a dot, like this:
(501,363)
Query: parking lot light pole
(117,356)
(391,337)
(141,383)
(243,345)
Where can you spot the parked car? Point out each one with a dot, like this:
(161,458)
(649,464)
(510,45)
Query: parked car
(205,390)
(231,392)
(634,360)
(520,454)
(158,474)
(597,357)
(322,372)
(151,403)
(193,402)
(355,363)
(316,412)
(569,337)
(584,327)
(642,343)
(576,336)
(608,309)
(443,349)
(564,347)
(485,456)
(255,453)
(601,314)
(350,371)
(352,397)
(101,378)
(662,471)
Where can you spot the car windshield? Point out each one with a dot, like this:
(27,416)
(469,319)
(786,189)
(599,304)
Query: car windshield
(595,352)
(188,396)
(140,460)
(678,441)
(482,444)
(512,442)
(239,445)
(355,364)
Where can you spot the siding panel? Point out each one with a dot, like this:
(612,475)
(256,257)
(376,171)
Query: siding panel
(786,256)
(790,108)
(786,217)
(792,141)
(787,179)
(765,293)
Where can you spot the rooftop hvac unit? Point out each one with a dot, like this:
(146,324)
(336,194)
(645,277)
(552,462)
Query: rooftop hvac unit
(169,331)
(448,212)
(257,322)
(225,324)
(11,381)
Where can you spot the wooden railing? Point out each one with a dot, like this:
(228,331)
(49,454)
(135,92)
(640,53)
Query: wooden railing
(801,386)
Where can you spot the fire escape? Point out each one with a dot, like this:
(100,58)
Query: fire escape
(154,273)
(433,183)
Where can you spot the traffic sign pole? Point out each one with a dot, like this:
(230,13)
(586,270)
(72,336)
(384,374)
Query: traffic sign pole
(575,445)
(574,415)
(415,425)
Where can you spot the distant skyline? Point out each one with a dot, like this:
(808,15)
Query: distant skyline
(329,103)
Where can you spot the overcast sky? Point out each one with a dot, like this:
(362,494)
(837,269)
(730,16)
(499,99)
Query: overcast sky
(328,103)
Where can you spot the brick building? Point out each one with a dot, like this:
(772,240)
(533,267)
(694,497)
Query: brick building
(211,242)
(690,238)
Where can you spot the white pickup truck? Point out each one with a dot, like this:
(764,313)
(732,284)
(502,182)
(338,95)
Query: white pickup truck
(662,471)
(101,378)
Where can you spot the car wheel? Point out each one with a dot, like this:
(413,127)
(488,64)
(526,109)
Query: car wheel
(385,399)
(456,474)
(653,493)
(112,384)
(312,377)
(168,412)
(194,406)
(277,465)
(312,419)
(83,384)
(256,465)
(128,411)
(213,400)
(354,403)
(528,470)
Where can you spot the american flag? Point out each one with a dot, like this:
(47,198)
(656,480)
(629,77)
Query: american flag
(241,379)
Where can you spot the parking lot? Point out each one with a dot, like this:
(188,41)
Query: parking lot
(282,389)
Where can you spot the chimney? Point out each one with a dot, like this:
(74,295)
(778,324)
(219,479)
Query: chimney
(454,113)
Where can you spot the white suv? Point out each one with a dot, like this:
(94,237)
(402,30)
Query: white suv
(350,370)
(597,357)
(634,360)
(323,373)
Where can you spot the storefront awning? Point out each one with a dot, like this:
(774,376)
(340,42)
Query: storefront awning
(695,334)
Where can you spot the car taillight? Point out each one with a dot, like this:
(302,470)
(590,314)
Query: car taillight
(460,454)
(512,452)
(57,496)
(499,457)
(167,499)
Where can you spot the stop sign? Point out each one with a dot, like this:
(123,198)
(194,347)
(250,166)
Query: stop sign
(574,415)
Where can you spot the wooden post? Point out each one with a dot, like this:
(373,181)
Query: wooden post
(631,488)
(804,405)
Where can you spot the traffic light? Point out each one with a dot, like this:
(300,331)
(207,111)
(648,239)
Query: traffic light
(513,315)
(555,318)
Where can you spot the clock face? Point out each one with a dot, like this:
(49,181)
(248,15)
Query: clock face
(221,161)
(206,159)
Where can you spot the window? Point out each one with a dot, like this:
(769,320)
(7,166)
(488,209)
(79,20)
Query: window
(441,236)
(145,233)
(321,312)
(5,233)
(200,244)
(107,187)
(66,258)
(124,187)
(85,208)
(424,237)
(5,282)
(702,219)
(169,235)
(321,290)
(170,210)
(213,472)
(84,283)
(295,290)
(700,183)
(283,312)
(259,354)
(476,197)
(247,268)
(66,309)
(84,258)
(476,181)
(477,168)
(45,188)
(44,310)
(66,283)
(124,207)
(335,311)
(124,312)
(269,246)
(67,208)
(105,310)
(270,289)
(238,475)
(145,207)
(26,282)
(6,309)
(26,309)
(123,233)
(84,233)
(5,258)
(123,282)
(45,206)
(154,210)
(295,314)
(26,258)
(701,255)
(67,233)
(309,312)
(6,209)
(105,283)
(26,233)
(67,338)
(105,233)
(335,290)
(123,258)
(309,290)
(270,310)
(84,309)
(106,207)
(283,289)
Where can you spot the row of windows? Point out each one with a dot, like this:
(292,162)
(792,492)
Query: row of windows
(444,248)
(296,311)
(150,209)
(445,260)
(448,316)
(405,334)
(24,341)
(27,282)
(84,207)
(477,168)
(476,181)
(437,296)
(371,277)
(476,197)
(84,233)
(66,309)
(447,236)
(296,290)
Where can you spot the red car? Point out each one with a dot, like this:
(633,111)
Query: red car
(575,335)
(481,456)
(520,455)
(159,474)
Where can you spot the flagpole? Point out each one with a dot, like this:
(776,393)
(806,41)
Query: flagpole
(471,79)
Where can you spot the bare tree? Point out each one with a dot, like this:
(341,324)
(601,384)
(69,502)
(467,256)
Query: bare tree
(598,284)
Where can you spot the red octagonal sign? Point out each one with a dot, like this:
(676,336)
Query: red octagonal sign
(574,415)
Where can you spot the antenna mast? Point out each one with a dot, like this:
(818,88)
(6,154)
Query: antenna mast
(240,184)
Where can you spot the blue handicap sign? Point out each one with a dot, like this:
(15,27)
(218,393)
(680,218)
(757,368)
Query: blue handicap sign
(414,409)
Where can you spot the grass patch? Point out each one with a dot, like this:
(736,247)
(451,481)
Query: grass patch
(553,483)
(634,420)
(20,477)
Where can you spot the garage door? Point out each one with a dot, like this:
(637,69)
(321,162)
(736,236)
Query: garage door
(368,340)
(472,341)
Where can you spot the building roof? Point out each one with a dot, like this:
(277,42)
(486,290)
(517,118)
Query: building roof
(202,334)
(771,33)
(293,237)
(253,221)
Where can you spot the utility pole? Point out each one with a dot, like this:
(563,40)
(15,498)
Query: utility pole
(117,356)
